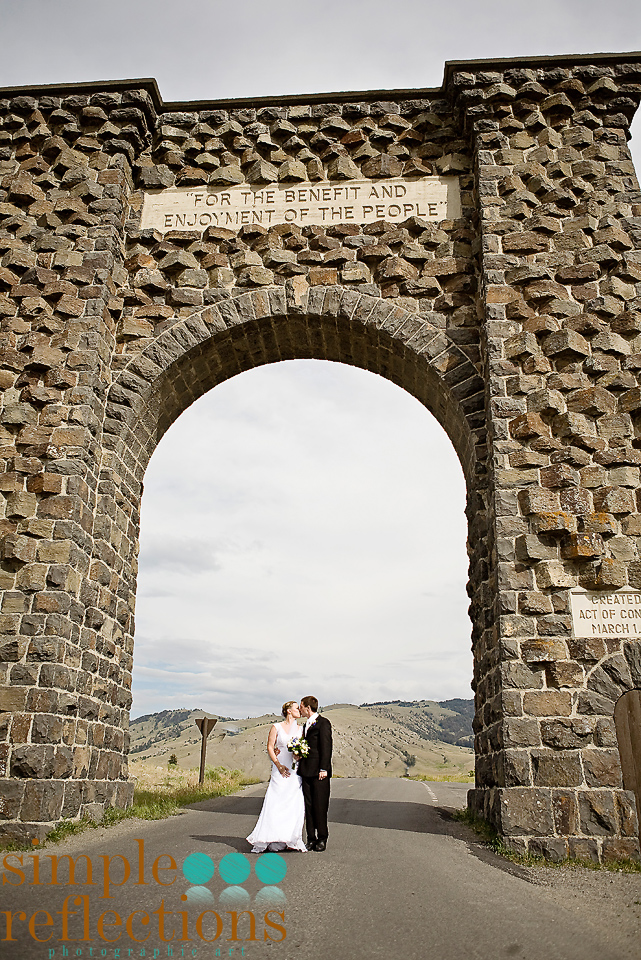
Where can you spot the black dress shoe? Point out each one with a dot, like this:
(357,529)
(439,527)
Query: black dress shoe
(319,846)
(311,845)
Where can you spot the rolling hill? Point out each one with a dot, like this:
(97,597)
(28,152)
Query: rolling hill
(391,738)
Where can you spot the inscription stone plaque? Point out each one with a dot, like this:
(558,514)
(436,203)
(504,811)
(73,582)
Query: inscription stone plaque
(321,203)
(596,614)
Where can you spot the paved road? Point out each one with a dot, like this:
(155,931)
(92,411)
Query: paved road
(399,879)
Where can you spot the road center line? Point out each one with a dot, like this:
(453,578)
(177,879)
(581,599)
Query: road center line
(433,796)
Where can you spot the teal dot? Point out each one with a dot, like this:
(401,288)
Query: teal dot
(234,868)
(270,897)
(235,897)
(200,895)
(198,868)
(271,868)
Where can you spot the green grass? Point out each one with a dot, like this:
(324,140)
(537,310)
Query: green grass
(155,803)
(494,840)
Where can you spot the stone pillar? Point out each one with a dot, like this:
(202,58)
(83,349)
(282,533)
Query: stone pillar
(560,231)
(65,163)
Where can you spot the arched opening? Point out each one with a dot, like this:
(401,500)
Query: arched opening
(302,528)
(198,352)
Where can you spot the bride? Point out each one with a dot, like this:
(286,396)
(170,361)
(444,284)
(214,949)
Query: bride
(280,824)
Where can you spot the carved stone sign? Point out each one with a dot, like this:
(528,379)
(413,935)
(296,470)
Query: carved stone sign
(321,203)
(596,614)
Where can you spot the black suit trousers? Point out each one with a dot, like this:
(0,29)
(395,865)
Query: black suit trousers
(316,794)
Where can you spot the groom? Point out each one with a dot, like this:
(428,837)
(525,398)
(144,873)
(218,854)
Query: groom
(316,772)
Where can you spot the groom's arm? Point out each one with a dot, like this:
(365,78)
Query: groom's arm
(325,746)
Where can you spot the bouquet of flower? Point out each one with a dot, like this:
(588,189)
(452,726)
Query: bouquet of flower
(299,747)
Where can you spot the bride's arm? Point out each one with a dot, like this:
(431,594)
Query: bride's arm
(271,743)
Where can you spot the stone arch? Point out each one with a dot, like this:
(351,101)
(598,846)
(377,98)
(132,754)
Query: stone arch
(195,353)
(517,322)
(330,323)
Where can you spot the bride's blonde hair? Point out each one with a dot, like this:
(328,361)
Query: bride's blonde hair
(286,706)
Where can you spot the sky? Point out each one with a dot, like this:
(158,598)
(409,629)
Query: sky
(302,524)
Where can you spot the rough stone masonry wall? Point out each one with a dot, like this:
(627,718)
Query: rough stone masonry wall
(561,236)
(515,325)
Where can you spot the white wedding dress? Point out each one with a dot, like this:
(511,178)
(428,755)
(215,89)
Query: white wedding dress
(280,824)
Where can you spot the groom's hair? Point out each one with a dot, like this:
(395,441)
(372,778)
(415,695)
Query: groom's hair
(310,702)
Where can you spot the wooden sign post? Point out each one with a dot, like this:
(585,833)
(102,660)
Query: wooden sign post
(205,725)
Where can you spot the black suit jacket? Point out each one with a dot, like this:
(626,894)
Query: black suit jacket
(319,738)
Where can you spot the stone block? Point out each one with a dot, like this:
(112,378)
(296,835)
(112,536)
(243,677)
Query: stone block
(22,549)
(20,504)
(565,674)
(632,653)
(552,573)
(621,849)
(616,500)
(538,500)
(32,577)
(582,546)
(626,806)
(20,727)
(576,500)
(552,848)
(71,800)
(602,768)
(547,703)
(566,342)
(557,768)
(42,800)
(46,728)
(593,401)
(563,734)
(558,522)
(591,703)
(576,427)
(630,401)
(610,573)
(559,475)
(32,761)
(581,848)
(520,732)
(605,733)
(624,476)
(13,699)
(597,813)
(531,547)
(555,624)
(520,676)
(526,812)
(533,603)
(543,650)
(11,795)
(603,523)
(516,768)
(528,425)
(623,548)
(323,276)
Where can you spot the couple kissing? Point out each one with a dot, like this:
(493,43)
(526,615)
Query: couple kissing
(299,785)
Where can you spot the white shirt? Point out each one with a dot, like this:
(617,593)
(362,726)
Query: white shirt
(309,722)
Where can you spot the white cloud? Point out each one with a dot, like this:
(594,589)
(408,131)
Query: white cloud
(332,504)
